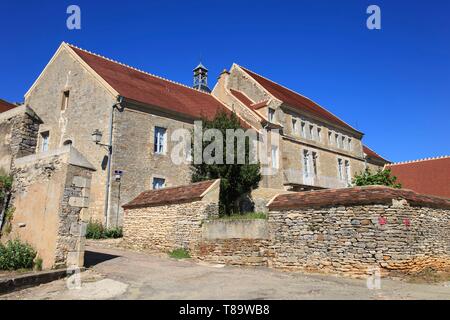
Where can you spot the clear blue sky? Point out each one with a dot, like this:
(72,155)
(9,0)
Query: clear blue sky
(392,84)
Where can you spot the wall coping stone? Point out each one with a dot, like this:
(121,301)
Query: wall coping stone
(74,158)
(353,197)
(23,109)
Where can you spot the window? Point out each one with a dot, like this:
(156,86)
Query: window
(336,139)
(65,100)
(330,138)
(343,143)
(349,144)
(311,131)
(304,129)
(348,174)
(271,115)
(275,157)
(160,140)
(306,165)
(319,134)
(314,161)
(45,139)
(294,125)
(340,169)
(158,183)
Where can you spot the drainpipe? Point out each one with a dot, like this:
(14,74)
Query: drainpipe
(110,152)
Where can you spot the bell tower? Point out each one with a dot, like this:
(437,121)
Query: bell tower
(201,78)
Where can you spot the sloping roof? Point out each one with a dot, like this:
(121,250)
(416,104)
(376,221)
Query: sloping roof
(428,176)
(296,100)
(354,196)
(172,195)
(241,97)
(149,89)
(5,106)
(373,154)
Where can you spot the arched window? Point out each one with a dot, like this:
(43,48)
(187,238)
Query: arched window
(68,143)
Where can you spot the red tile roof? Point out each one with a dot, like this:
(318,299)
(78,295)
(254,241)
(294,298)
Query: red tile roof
(354,196)
(181,194)
(373,154)
(296,100)
(152,90)
(242,97)
(5,106)
(429,176)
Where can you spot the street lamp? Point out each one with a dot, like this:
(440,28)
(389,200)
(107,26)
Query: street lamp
(97,136)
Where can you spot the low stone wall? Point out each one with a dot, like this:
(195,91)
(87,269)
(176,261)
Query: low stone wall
(234,242)
(50,190)
(351,231)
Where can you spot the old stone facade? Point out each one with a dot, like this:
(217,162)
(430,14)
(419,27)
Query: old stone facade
(18,134)
(79,92)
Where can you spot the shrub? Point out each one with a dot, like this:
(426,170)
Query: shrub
(96,231)
(381,177)
(16,255)
(179,254)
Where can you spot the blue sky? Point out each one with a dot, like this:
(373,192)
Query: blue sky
(393,84)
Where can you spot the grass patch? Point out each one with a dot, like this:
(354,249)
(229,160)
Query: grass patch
(179,254)
(245,216)
(96,231)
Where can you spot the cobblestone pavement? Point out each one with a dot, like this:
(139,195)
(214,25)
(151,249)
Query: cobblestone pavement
(120,274)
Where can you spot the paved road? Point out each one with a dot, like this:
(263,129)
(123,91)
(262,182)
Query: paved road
(118,274)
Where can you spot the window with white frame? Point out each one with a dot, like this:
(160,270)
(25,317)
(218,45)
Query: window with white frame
(319,134)
(160,140)
(275,157)
(158,183)
(348,174)
(343,142)
(294,125)
(349,144)
(311,131)
(45,141)
(330,138)
(336,139)
(303,129)
(271,115)
(341,169)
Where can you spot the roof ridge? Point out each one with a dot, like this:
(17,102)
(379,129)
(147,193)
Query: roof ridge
(136,69)
(245,69)
(419,160)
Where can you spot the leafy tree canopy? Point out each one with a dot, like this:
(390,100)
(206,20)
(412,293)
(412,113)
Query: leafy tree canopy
(381,177)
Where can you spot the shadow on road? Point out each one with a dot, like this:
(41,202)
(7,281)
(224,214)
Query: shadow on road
(92,258)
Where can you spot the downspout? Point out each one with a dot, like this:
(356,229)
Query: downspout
(110,152)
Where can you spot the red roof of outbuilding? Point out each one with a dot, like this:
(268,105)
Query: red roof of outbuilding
(373,154)
(296,100)
(429,176)
(152,90)
(5,106)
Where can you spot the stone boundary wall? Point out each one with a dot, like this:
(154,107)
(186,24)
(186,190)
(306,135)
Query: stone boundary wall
(234,242)
(350,231)
(50,191)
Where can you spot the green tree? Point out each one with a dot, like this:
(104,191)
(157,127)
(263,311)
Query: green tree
(381,177)
(236,179)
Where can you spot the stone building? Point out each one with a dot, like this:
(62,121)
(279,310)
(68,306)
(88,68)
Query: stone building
(131,114)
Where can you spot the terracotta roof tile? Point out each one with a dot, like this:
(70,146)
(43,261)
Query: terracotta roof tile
(5,106)
(354,196)
(152,90)
(172,195)
(373,154)
(296,100)
(429,176)
(241,97)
